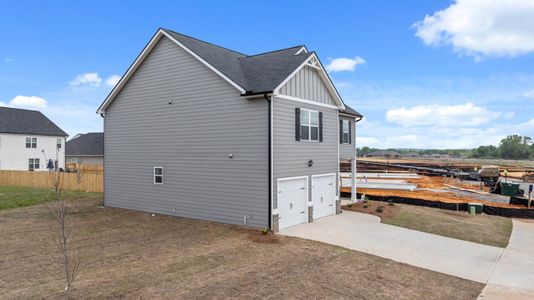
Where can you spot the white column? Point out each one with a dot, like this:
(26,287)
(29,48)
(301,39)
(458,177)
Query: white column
(353,169)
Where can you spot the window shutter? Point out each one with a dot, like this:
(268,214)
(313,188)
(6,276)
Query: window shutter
(320,126)
(350,132)
(340,131)
(297,124)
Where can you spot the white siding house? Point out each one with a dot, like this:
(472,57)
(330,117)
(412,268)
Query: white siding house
(29,140)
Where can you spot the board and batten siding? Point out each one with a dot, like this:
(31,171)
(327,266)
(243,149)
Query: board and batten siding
(346,151)
(307,84)
(290,157)
(192,139)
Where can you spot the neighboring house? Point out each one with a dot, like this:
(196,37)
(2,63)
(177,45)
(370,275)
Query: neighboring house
(200,131)
(86,149)
(29,140)
(384,153)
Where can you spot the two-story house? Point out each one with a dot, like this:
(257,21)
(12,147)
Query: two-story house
(30,141)
(86,149)
(200,131)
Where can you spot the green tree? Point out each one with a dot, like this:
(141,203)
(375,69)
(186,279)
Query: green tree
(515,147)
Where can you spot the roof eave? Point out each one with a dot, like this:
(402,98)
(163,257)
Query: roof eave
(141,57)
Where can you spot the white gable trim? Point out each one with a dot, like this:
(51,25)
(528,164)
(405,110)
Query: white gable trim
(303,49)
(313,61)
(148,48)
(281,96)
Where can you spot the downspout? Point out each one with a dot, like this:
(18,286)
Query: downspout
(104,161)
(269,131)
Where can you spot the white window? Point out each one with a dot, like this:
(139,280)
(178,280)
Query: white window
(309,125)
(346,132)
(31,142)
(33,164)
(158,175)
(58,144)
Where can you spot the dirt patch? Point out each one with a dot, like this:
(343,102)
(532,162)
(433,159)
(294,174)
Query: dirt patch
(372,207)
(263,238)
(129,254)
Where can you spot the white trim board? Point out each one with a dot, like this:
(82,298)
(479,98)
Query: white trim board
(148,48)
(304,101)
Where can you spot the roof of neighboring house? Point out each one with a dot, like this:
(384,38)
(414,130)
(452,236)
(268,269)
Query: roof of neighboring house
(251,74)
(89,144)
(24,121)
(255,73)
(350,111)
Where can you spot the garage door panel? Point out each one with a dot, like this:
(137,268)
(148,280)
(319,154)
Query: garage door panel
(292,201)
(323,195)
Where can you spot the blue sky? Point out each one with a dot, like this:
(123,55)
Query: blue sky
(426,74)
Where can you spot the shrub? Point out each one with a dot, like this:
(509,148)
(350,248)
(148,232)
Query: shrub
(380,209)
(265,230)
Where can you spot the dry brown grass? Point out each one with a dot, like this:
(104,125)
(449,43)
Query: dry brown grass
(128,254)
(482,229)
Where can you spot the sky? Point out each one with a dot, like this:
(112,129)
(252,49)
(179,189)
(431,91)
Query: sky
(425,74)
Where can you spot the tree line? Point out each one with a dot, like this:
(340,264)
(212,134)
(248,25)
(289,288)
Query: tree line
(512,147)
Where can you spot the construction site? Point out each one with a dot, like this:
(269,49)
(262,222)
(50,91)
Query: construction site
(503,189)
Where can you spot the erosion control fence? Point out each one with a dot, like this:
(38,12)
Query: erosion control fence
(88,182)
(510,212)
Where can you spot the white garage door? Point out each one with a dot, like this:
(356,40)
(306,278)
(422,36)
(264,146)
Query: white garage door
(323,195)
(292,201)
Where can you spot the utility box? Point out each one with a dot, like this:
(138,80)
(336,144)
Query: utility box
(475,208)
(509,189)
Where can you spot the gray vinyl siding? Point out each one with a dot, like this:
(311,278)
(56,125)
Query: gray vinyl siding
(346,151)
(191,139)
(307,84)
(290,156)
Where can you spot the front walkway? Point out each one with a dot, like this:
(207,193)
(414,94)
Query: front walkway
(513,276)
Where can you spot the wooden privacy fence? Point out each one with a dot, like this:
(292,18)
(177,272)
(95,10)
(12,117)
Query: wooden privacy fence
(89,182)
(86,168)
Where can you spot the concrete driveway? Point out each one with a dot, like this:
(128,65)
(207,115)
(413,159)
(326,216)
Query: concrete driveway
(365,233)
(507,271)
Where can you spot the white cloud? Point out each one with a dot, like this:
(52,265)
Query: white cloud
(344,64)
(444,115)
(28,102)
(529,94)
(8,59)
(91,79)
(113,80)
(362,141)
(482,28)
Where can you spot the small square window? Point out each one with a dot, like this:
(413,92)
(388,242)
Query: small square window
(31,142)
(158,175)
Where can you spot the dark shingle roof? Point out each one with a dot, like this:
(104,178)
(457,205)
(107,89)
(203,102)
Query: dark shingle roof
(255,73)
(86,144)
(23,121)
(349,110)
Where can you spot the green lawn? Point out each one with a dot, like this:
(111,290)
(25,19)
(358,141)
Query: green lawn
(20,196)
(482,229)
